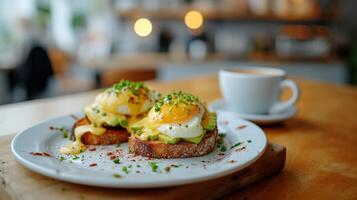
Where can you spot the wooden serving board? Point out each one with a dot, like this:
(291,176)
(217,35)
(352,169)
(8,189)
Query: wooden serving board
(16,182)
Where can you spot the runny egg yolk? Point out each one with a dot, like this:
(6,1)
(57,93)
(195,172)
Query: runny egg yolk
(176,114)
(125,103)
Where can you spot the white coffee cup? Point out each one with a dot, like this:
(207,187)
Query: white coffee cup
(256,90)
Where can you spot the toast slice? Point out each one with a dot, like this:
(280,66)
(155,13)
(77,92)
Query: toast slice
(113,135)
(182,149)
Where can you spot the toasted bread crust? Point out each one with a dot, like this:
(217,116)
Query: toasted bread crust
(111,136)
(158,149)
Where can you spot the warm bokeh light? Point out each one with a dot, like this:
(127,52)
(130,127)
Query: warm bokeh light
(143,27)
(193,19)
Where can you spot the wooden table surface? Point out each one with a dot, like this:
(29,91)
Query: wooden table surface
(321,140)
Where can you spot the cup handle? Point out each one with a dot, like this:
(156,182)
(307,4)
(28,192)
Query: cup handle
(282,106)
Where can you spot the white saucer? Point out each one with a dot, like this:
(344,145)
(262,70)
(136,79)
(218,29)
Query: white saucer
(262,119)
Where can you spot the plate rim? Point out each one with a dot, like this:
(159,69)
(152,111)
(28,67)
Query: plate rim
(67,177)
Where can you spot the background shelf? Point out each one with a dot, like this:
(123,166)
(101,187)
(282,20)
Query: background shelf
(219,14)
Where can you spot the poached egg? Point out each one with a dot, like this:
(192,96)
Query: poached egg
(120,105)
(177,115)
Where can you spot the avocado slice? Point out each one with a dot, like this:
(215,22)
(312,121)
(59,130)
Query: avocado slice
(212,122)
(194,140)
(115,121)
(123,123)
(136,130)
(168,140)
(153,137)
(112,121)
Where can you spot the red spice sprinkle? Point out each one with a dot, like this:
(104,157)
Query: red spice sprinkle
(112,157)
(93,165)
(131,100)
(46,154)
(92,149)
(232,161)
(241,127)
(36,154)
(40,154)
(242,148)
(110,153)
(221,154)
(52,128)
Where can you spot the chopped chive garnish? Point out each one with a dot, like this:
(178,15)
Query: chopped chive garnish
(116,161)
(167,169)
(175,98)
(65,134)
(221,134)
(117,175)
(236,144)
(153,166)
(125,169)
(125,85)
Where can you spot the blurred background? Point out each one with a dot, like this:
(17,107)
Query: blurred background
(57,47)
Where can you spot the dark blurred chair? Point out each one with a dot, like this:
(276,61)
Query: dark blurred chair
(35,73)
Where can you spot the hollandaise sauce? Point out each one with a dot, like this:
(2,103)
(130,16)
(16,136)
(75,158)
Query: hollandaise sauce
(77,146)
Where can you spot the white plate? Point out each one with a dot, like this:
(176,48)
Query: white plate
(220,106)
(39,138)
